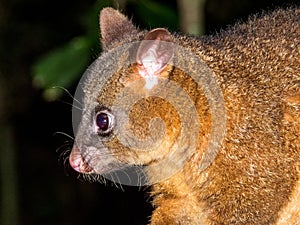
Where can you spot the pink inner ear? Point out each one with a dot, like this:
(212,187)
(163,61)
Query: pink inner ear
(154,54)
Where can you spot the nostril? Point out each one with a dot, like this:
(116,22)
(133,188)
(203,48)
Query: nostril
(75,158)
(77,162)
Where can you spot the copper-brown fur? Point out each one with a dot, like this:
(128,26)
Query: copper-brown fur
(255,177)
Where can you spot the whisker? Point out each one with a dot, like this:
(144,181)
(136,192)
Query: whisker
(64,89)
(66,155)
(71,104)
(141,176)
(64,147)
(102,180)
(118,183)
(64,134)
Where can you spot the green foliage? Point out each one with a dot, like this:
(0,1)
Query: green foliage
(61,66)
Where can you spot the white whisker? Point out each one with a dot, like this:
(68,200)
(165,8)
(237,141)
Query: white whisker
(65,90)
(64,134)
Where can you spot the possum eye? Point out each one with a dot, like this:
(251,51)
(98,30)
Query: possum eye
(104,122)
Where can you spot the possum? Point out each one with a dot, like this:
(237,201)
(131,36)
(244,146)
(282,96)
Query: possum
(211,123)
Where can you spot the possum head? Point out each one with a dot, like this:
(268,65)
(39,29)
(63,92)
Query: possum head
(135,114)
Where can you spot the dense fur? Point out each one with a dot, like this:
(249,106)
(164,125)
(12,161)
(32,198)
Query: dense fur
(255,177)
(258,65)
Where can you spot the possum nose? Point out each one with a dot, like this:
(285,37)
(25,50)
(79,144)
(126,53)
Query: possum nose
(77,161)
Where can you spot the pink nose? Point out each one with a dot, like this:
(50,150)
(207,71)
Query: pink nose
(77,162)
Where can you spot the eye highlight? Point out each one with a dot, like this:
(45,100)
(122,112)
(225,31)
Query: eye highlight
(104,122)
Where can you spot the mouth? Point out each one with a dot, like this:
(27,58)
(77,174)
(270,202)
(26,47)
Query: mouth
(78,163)
(109,169)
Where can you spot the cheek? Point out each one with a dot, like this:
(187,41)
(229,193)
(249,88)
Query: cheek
(152,115)
(161,125)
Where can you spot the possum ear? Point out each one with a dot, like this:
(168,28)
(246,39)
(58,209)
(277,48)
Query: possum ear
(155,52)
(114,26)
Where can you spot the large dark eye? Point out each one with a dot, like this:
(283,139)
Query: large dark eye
(104,122)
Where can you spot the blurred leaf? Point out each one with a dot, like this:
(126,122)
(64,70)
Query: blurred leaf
(157,14)
(62,66)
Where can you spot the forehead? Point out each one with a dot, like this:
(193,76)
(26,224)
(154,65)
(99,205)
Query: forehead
(114,85)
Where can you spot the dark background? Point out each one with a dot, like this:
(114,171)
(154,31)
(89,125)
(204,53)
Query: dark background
(37,184)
